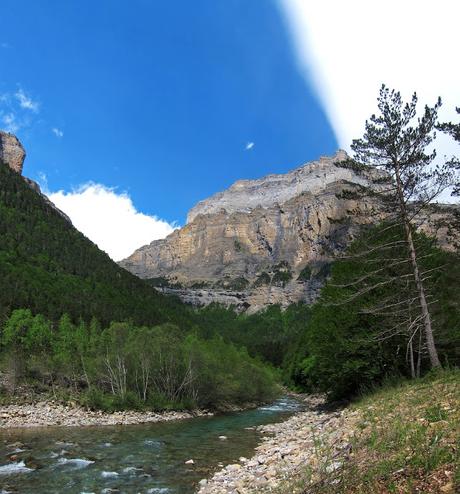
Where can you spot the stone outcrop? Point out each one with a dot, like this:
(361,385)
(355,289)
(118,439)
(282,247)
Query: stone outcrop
(11,151)
(266,241)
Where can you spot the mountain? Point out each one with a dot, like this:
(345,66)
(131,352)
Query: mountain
(51,268)
(271,240)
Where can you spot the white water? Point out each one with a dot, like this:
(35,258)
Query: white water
(19,467)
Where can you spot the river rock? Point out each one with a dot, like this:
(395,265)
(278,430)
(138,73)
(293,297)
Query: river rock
(286,450)
(43,414)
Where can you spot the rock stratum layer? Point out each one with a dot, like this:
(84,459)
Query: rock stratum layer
(269,240)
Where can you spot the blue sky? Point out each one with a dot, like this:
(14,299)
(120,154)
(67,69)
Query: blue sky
(155,102)
(159,98)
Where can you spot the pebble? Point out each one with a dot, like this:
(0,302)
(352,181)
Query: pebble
(286,450)
(50,413)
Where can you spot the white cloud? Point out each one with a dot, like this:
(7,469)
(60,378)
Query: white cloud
(17,111)
(57,132)
(25,101)
(110,219)
(347,49)
(9,122)
(249,146)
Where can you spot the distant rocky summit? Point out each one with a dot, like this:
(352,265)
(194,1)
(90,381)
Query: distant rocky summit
(12,152)
(271,240)
(311,178)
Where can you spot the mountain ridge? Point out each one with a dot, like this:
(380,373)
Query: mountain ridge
(269,240)
(246,194)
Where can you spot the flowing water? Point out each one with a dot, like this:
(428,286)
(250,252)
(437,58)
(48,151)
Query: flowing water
(147,458)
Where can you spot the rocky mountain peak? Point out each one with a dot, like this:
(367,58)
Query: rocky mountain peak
(12,152)
(245,195)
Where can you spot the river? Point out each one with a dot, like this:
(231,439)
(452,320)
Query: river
(146,458)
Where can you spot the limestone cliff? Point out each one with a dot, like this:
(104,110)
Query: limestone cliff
(11,151)
(265,241)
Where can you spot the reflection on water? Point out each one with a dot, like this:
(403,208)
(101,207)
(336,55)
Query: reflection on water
(146,458)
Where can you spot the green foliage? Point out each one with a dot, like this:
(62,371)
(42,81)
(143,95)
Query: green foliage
(323,272)
(404,440)
(435,413)
(349,194)
(200,284)
(270,334)
(159,282)
(238,246)
(51,268)
(279,275)
(352,164)
(124,366)
(345,348)
(66,338)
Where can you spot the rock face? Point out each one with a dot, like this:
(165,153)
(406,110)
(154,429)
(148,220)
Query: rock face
(11,151)
(264,241)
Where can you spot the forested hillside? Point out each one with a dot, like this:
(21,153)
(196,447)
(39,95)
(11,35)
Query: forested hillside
(51,268)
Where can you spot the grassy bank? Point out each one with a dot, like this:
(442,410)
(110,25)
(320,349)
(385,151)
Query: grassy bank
(405,439)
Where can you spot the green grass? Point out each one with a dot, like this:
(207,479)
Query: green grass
(406,440)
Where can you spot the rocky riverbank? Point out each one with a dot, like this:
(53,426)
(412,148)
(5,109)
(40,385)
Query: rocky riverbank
(311,443)
(49,413)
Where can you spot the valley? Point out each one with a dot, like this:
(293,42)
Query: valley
(178,357)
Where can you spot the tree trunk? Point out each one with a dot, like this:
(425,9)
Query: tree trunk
(411,357)
(419,355)
(432,352)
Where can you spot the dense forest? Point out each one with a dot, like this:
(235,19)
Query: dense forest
(125,366)
(51,268)
(351,344)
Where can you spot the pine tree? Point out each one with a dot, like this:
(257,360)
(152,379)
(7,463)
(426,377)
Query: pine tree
(396,141)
